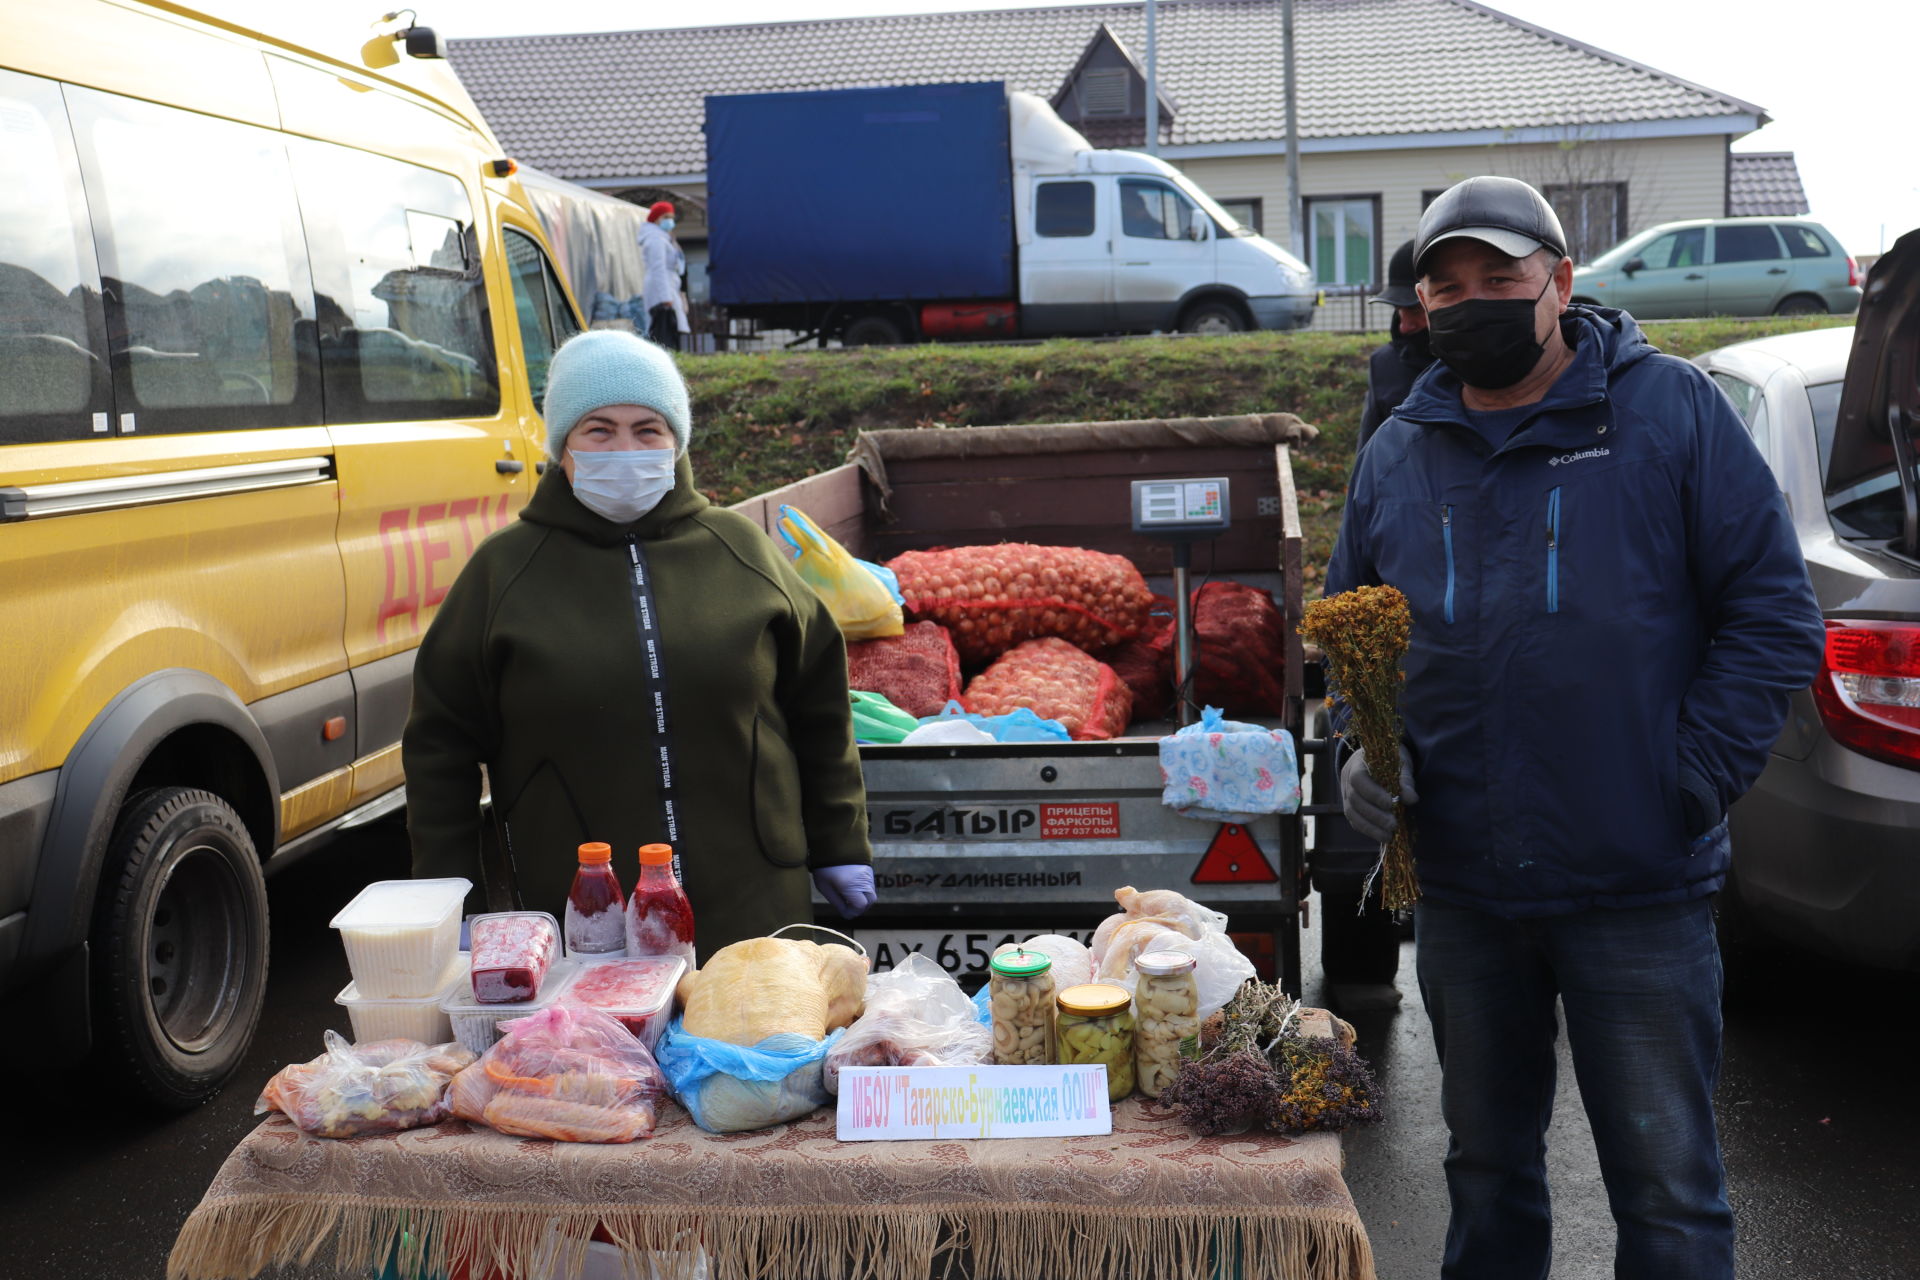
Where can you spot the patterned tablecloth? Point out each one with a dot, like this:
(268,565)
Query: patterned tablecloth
(1148,1202)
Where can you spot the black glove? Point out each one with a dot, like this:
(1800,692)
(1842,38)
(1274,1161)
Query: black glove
(1369,807)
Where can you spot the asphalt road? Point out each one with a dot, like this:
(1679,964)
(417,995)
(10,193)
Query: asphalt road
(1817,1108)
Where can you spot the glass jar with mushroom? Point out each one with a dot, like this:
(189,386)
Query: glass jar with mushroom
(1020,999)
(1166,1009)
(1096,1025)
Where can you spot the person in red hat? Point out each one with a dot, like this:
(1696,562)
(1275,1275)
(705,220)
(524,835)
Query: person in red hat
(666,269)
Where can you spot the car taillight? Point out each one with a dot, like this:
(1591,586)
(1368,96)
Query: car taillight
(1869,689)
(1853,272)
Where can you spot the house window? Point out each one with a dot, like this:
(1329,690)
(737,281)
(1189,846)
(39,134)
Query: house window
(1341,240)
(1593,215)
(1246,213)
(1106,92)
(1063,209)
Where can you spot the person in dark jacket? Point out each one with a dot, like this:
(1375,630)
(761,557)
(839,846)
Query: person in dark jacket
(1393,367)
(633,665)
(1610,612)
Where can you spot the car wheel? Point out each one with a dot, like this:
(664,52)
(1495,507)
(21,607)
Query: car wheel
(872,331)
(179,946)
(1213,317)
(1801,304)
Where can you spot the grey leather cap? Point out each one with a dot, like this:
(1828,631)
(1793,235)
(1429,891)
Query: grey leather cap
(1503,212)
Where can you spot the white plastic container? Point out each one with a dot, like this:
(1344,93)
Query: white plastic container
(637,992)
(414,1019)
(400,936)
(477,1026)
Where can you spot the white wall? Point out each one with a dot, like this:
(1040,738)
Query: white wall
(1667,178)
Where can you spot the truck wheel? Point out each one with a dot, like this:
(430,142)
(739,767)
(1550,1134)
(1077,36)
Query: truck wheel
(1213,317)
(872,331)
(179,946)
(1800,304)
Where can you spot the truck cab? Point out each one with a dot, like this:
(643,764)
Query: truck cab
(1123,242)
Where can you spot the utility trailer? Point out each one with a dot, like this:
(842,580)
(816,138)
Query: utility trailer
(977,845)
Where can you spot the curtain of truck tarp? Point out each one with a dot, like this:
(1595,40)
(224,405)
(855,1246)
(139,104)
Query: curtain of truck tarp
(594,235)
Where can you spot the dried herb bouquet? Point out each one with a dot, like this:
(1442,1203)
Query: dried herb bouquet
(1364,634)
(1257,1069)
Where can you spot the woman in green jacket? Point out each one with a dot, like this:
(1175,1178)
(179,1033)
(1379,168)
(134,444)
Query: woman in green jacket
(632,664)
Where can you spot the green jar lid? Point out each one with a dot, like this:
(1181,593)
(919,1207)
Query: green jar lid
(1020,963)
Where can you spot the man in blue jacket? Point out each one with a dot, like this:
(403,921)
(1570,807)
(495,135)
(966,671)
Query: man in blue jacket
(1610,611)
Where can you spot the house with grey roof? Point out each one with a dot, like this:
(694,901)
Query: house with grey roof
(1397,100)
(1764,184)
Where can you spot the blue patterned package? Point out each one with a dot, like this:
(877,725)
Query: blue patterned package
(1225,771)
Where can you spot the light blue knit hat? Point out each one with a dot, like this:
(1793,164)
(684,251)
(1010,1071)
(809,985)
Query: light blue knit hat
(611,366)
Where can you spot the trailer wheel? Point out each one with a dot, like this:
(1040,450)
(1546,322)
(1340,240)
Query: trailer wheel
(179,946)
(873,330)
(1213,317)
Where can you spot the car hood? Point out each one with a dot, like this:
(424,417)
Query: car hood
(1878,427)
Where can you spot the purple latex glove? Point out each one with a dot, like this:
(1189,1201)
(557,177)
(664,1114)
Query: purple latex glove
(847,889)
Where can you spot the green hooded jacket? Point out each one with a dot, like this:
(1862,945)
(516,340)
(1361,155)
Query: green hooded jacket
(532,667)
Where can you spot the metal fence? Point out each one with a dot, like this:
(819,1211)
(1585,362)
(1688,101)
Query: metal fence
(1345,309)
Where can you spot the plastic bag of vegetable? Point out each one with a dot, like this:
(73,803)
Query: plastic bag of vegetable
(993,598)
(379,1087)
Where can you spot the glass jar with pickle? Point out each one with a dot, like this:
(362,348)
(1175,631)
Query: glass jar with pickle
(1096,1025)
(1166,1012)
(1021,1002)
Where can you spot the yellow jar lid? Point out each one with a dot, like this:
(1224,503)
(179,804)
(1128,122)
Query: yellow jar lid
(1095,999)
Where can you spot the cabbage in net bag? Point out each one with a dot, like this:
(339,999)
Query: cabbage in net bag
(1055,681)
(993,598)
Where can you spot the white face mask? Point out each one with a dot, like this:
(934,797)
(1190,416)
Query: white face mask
(623,485)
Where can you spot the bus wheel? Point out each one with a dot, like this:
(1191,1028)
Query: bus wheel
(179,947)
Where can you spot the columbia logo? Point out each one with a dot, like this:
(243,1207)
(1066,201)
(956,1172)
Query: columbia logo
(1576,457)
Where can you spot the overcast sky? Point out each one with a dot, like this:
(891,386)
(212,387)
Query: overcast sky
(1831,75)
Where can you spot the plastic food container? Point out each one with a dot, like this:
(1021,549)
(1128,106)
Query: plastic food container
(419,1019)
(477,1025)
(637,992)
(1096,1025)
(512,951)
(400,935)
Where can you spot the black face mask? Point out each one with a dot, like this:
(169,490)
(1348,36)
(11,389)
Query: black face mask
(1488,342)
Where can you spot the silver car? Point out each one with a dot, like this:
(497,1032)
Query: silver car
(1724,267)
(1826,847)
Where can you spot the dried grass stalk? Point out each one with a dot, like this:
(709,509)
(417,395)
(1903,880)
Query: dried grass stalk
(1364,634)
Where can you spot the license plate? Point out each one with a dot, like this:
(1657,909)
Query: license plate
(962,953)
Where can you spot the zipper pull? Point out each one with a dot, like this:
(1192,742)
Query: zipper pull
(1446,515)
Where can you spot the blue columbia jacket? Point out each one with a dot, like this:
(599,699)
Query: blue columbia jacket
(1610,612)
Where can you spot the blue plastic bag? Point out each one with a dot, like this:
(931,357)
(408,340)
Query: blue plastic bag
(1018,725)
(1224,771)
(729,1088)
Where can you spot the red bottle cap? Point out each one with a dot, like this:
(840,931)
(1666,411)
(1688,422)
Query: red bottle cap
(656,855)
(596,852)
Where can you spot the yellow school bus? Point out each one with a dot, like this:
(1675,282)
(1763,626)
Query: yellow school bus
(274,324)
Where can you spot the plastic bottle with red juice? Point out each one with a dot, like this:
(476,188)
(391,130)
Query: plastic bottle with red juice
(659,917)
(596,919)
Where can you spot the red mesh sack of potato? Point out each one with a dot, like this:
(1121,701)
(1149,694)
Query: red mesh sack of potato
(917,671)
(993,598)
(1056,682)
(1145,663)
(1239,650)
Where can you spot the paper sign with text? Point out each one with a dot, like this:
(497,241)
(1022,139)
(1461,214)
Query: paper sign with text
(972,1102)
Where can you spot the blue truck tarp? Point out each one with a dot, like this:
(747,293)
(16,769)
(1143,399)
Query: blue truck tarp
(851,195)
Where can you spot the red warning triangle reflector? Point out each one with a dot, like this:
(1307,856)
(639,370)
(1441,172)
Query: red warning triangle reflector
(1234,858)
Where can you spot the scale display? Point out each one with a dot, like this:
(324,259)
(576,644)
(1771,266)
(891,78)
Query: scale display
(1197,507)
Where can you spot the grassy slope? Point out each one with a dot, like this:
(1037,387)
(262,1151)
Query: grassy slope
(765,420)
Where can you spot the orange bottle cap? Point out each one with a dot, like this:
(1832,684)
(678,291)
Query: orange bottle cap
(596,852)
(656,855)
